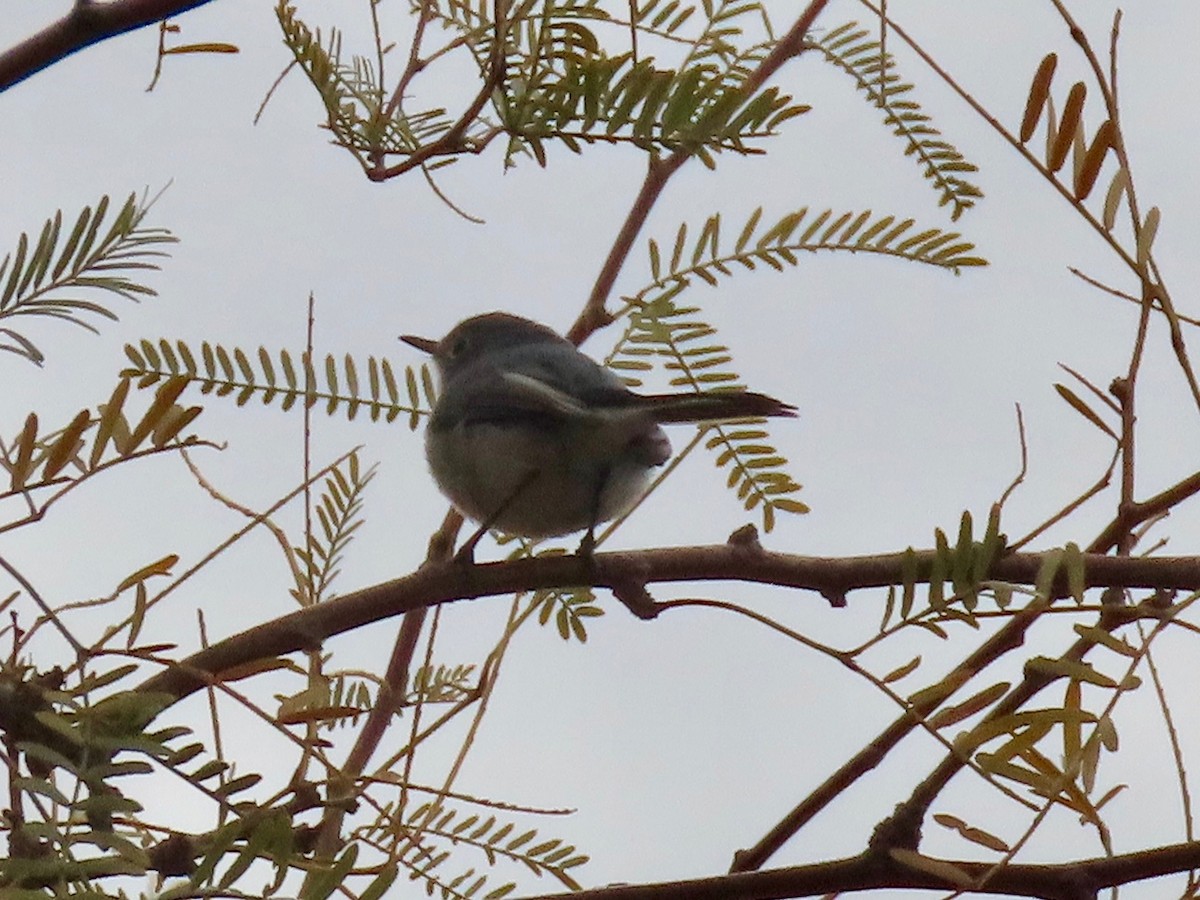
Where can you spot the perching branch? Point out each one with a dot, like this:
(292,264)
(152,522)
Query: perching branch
(832,578)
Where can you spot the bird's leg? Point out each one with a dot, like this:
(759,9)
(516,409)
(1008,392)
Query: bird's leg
(466,553)
(588,545)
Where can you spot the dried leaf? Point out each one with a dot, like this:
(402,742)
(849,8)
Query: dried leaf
(1039,90)
(23,462)
(949,872)
(977,702)
(972,834)
(67,445)
(1112,200)
(902,671)
(1076,403)
(1089,168)
(1068,125)
(1145,237)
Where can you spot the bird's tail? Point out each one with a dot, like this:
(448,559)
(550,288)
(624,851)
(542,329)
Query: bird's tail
(712,406)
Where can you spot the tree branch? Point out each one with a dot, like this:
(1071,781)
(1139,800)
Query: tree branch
(391,691)
(659,172)
(1077,880)
(454,140)
(87,23)
(873,753)
(832,578)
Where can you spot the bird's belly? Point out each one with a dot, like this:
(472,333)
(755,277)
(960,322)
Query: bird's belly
(526,482)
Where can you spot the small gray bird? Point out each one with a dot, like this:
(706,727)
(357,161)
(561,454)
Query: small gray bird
(532,437)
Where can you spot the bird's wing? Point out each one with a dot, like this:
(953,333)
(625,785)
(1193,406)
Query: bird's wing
(540,395)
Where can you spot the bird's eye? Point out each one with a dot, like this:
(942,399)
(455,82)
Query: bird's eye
(458,347)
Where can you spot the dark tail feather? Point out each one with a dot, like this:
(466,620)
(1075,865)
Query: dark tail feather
(715,406)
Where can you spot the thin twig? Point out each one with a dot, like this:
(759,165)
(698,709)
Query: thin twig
(414,727)
(1101,484)
(848,659)
(228,542)
(441,195)
(306,584)
(262,107)
(454,139)
(1152,286)
(415,63)
(486,687)
(594,314)
(275,531)
(47,612)
(1095,391)
(1009,637)
(1160,695)
(1024,470)
(214,719)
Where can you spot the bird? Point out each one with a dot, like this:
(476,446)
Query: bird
(530,436)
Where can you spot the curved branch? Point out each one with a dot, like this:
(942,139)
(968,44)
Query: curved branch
(1079,880)
(626,574)
(87,23)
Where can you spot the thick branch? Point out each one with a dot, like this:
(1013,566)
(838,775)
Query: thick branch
(1079,880)
(391,692)
(306,629)
(1032,684)
(87,23)
(873,753)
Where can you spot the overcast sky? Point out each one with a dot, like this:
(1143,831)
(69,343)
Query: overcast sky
(683,739)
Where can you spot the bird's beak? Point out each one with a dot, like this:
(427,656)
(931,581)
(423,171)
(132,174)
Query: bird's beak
(419,342)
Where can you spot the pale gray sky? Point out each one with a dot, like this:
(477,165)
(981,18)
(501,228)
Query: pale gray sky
(680,740)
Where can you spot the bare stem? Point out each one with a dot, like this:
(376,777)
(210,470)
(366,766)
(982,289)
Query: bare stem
(594,314)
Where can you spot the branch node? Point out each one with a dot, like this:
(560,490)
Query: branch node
(632,592)
(745,539)
(902,829)
(835,596)
(1120,389)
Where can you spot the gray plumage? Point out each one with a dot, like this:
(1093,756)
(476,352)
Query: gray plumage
(532,437)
